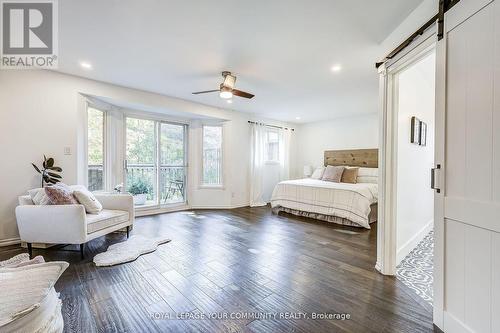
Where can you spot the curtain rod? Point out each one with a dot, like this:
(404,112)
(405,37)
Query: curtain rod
(444,6)
(274,126)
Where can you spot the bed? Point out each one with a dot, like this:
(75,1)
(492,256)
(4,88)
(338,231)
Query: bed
(341,203)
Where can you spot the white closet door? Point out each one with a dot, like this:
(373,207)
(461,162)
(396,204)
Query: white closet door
(468,221)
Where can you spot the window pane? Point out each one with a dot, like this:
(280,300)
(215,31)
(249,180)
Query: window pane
(272,137)
(272,146)
(141,160)
(172,144)
(95,152)
(212,156)
(172,158)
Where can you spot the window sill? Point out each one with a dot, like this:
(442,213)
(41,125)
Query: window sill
(211,187)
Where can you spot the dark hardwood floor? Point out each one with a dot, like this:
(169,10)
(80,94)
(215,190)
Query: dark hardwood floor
(237,261)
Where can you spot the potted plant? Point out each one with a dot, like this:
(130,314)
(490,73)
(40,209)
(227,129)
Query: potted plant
(139,189)
(49,172)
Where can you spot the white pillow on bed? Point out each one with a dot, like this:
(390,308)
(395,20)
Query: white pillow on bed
(318,173)
(367,175)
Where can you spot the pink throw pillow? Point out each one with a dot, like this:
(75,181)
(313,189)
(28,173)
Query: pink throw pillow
(60,194)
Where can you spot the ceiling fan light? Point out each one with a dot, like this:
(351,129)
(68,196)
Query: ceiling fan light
(225,93)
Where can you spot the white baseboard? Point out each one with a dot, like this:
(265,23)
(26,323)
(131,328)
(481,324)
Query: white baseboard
(453,324)
(221,206)
(407,247)
(147,212)
(10,241)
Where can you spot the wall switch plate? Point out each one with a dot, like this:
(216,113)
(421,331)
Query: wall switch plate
(67,150)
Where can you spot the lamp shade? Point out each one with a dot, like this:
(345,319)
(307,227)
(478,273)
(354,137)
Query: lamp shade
(308,170)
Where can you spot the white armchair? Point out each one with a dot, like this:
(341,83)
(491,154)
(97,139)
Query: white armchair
(69,224)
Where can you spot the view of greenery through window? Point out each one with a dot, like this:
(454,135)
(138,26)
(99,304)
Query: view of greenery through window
(172,162)
(212,157)
(95,156)
(142,154)
(142,169)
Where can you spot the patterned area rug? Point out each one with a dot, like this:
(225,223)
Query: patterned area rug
(128,250)
(415,271)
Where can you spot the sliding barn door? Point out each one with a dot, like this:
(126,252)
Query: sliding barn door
(467,289)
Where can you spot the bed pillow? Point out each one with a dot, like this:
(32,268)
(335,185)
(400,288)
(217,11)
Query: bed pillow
(368,175)
(318,173)
(39,197)
(88,200)
(350,175)
(333,173)
(60,194)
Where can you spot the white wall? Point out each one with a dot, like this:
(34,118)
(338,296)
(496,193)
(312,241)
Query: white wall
(343,133)
(40,114)
(424,12)
(415,199)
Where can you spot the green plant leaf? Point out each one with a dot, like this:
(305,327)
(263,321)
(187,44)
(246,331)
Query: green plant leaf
(55,168)
(50,162)
(36,168)
(54,175)
(50,180)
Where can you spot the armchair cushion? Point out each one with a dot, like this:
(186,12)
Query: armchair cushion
(106,218)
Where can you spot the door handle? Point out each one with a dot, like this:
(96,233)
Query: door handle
(433,178)
(125,164)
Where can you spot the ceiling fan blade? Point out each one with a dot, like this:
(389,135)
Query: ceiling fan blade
(240,93)
(205,92)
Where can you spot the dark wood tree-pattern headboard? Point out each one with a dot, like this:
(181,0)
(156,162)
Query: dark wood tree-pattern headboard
(367,158)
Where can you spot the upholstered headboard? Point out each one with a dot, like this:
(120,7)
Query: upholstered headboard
(367,158)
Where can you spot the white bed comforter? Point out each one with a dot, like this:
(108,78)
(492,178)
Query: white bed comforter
(349,201)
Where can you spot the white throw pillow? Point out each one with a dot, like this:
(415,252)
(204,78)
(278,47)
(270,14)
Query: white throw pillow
(368,175)
(88,200)
(39,197)
(318,173)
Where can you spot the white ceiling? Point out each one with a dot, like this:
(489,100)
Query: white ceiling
(281,50)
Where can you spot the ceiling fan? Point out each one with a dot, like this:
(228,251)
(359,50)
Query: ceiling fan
(226,89)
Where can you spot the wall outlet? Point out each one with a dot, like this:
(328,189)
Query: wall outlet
(67,150)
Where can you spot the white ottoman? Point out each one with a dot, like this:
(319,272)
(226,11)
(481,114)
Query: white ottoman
(28,300)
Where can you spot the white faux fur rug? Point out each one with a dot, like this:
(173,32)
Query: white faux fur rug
(128,250)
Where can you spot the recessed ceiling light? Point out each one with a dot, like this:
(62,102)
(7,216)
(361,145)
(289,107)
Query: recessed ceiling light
(336,68)
(298,118)
(85,65)
(229,101)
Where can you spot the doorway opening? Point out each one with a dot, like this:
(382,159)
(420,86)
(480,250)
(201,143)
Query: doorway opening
(406,156)
(414,106)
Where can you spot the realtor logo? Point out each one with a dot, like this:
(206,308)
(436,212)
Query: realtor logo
(29,34)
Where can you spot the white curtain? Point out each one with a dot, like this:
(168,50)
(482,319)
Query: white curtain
(257,159)
(284,151)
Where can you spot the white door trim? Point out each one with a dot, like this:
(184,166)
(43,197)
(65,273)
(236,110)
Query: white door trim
(388,125)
